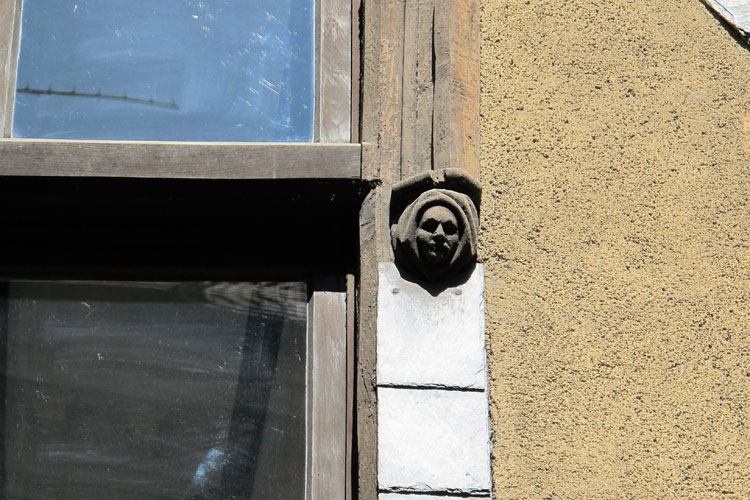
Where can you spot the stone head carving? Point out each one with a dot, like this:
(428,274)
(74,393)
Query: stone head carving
(436,234)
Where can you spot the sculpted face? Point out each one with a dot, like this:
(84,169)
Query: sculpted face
(437,235)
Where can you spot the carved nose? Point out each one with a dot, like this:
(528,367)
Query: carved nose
(439,231)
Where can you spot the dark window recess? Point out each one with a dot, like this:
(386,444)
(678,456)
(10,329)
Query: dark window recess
(153,229)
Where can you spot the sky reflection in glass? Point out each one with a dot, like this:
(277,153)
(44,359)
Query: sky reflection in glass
(179,70)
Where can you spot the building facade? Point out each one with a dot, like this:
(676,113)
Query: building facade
(606,274)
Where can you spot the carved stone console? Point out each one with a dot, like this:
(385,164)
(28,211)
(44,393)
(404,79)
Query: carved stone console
(434,224)
(433,436)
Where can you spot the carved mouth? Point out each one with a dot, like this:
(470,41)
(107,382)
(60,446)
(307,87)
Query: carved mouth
(439,248)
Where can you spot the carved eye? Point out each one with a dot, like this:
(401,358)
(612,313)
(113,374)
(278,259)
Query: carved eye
(449,227)
(430,225)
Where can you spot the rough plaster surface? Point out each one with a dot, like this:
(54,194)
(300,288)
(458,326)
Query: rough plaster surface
(615,221)
(433,440)
(430,341)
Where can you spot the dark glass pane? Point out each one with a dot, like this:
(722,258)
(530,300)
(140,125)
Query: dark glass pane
(155,390)
(184,70)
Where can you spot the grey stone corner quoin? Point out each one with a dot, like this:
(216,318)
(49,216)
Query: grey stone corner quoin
(434,224)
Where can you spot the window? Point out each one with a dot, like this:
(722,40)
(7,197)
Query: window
(331,99)
(200,70)
(155,389)
(184,240)
(110,214)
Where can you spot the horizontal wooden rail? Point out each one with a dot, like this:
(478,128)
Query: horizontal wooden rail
(179,160)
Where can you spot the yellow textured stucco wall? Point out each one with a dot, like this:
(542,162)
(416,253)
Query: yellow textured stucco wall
(615,220)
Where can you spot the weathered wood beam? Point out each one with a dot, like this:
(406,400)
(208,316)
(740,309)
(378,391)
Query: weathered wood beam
(48,158)
(456,129)
(10,17)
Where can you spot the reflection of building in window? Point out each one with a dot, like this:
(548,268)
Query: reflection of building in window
(173,389)
(98,95)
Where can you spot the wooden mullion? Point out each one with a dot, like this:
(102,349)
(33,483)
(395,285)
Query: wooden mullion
(334,71)
(351,300)
(10,22)
(327,379)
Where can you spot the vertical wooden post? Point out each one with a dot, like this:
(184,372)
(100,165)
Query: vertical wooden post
(419,111)
(382,60)
(10,15)
(334,71)
(373,220)
(327,377)
(456,130)
(418,92)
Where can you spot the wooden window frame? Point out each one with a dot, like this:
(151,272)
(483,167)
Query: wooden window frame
(331,155)
(333,158)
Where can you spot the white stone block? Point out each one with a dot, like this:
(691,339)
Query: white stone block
(433,441)
(399,496)
(430,341)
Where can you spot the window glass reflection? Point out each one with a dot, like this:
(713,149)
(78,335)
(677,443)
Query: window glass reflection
(154,390)
(184,70)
